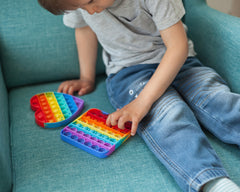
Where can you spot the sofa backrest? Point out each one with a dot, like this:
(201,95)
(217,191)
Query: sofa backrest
(216,39)
(35,46)
(5,157)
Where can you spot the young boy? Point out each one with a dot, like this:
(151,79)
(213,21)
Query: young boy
(155,82)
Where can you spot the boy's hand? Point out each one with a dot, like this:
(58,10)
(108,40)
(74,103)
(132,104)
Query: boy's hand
(81,86)
(176,42)
(133,112)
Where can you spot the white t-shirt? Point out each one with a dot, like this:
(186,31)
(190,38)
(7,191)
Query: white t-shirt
(129,30)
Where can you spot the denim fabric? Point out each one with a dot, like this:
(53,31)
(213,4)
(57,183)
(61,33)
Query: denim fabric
(171,128)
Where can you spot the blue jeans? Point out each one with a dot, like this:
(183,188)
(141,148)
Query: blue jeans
(171,129)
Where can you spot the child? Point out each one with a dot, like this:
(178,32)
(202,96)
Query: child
(155,82)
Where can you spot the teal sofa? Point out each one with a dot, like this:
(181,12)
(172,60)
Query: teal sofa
(37,52)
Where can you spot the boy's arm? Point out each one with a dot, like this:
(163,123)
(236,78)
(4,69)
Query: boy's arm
(87,53)
(176,42)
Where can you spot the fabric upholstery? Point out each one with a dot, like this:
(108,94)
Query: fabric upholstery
(41,160)
(37,52)
(216,39)
(5,159)
(31,38)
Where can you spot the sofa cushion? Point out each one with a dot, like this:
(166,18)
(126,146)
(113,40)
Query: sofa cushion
(5,159)
(41,160)
(30,37)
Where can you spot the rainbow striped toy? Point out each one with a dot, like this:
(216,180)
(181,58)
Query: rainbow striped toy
(55,109)
(90,133)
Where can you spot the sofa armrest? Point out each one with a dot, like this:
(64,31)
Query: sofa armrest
(5,159)
(216,38)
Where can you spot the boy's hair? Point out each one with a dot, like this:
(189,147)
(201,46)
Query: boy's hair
(56,7)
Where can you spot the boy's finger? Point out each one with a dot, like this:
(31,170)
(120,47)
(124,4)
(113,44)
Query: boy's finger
(134,128)
(108,120)
(71,90)
(121,122)
(112,119)
(65,89)
(81,92)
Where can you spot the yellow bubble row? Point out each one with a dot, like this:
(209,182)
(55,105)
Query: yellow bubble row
(101,130)
(55,107)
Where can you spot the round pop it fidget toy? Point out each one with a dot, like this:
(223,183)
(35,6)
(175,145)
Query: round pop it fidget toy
(55,109)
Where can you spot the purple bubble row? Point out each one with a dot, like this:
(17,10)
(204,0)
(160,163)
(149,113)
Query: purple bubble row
(80,128)
(88,140)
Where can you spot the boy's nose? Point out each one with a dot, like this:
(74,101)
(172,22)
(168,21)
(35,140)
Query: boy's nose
(93,9)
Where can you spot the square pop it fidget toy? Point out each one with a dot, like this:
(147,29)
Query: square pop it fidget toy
(90,133)
(55,109)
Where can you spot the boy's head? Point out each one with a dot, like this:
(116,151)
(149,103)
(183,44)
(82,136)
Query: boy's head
(58,7)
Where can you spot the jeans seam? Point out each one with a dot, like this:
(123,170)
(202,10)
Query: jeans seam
(204,171)
(200,93)
(192,82)
(205,99)
(165,156)
(160,106)
(166,98)
(214,118)
(202,75)
(160,114)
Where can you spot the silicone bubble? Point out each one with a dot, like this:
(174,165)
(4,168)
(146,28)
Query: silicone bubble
(90,133)
(54,109)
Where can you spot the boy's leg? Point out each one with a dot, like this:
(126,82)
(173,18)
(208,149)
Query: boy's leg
(214,105)
(170,130)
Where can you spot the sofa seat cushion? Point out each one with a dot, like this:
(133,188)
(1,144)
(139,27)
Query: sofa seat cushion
(43,162)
